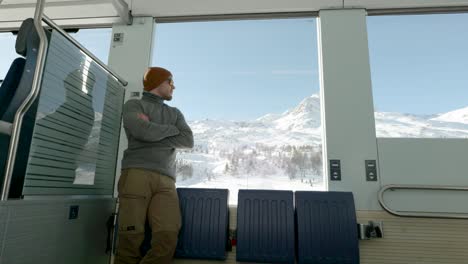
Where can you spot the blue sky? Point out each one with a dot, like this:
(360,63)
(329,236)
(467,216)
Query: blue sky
(419,64)
(96,40)
(239,69)
(244,69)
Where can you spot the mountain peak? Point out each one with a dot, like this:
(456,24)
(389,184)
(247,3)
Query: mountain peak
(305,115)
(457,116)
(309,104)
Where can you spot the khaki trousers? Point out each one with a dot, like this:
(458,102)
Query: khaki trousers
(147,195)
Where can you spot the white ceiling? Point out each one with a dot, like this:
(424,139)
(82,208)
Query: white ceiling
(165,8)
(397,4)
(64,12)
(103,12)
(160,8)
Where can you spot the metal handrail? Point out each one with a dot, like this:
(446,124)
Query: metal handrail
(52,24)
(421,214)
(18,121)
(418,10)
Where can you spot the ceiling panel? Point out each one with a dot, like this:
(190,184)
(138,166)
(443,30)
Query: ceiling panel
(64,12)
(17,2)
(87,12)
(398,4)
(162,8)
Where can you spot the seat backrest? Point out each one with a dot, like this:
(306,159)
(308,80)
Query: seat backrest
(13,92)
(205,223)
(27,42)
(10,83)
(265,226)
(326,228)
(12,79)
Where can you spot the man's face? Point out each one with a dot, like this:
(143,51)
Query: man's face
(165,90)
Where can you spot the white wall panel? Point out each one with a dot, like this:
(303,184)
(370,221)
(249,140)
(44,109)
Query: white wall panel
(129,59)
(347,108)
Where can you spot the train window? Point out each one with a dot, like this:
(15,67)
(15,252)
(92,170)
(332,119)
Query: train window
(250,92)
(418,66)
(7,52)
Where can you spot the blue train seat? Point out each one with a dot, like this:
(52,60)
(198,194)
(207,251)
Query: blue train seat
(326,228)
(265,226)
(205,224)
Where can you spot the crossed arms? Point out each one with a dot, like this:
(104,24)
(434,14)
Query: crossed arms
(140,127)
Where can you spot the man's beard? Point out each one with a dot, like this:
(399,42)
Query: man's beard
(167,97)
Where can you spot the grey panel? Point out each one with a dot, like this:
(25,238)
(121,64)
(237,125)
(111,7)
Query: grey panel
(3,221)
(40,232)
(75,140)
(426,161)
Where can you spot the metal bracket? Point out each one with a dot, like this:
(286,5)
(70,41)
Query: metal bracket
(124,12)
(370,230)
(5,127)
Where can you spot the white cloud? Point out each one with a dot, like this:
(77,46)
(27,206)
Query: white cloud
(244,73)
(294,72)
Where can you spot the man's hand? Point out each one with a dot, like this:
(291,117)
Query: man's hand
(143,117)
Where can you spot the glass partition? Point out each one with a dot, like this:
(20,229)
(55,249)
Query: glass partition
(76,134)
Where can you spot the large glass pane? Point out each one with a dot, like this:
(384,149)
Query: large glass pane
(419,66)
(249,90)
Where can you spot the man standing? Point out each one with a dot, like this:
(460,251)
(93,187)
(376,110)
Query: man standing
(147,183)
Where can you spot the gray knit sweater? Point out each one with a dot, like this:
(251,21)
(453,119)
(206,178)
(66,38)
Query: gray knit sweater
(152,145)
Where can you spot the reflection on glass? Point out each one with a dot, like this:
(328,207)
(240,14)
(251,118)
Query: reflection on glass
(78,109)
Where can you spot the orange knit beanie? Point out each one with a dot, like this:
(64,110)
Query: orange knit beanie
(154,76)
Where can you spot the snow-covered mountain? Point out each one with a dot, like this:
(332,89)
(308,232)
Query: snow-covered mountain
(450,125)
(298,126)
(303,117)
(283,151)
(301,126)
(457,116)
